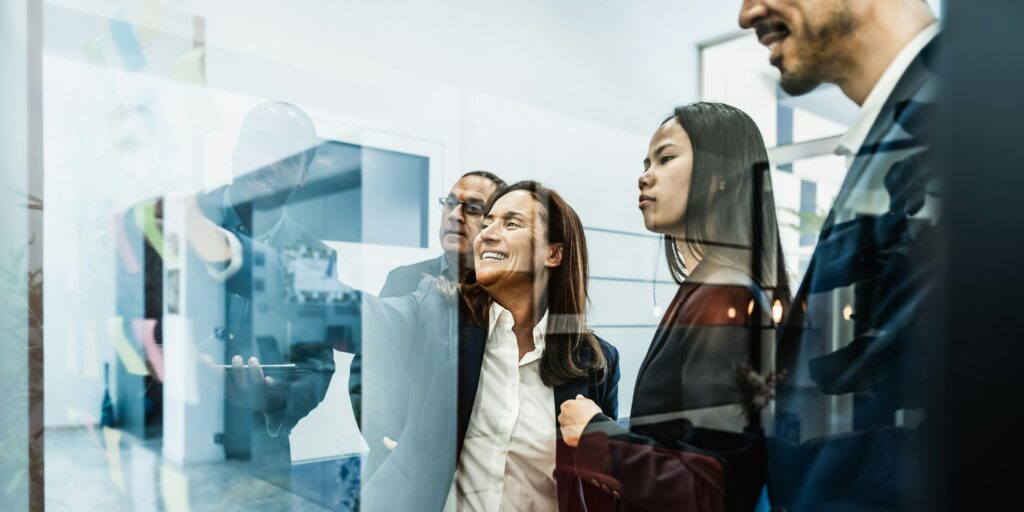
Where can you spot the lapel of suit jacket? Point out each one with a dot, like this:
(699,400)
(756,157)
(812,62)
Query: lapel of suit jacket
(665,327)
(662,331)
(917,75)
(472,341)
(569,390)
(566,482)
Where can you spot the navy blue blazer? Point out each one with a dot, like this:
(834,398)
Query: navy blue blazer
(856,341)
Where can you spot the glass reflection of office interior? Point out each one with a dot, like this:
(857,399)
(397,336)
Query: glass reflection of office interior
(331,206)
(151,130)
(801,134)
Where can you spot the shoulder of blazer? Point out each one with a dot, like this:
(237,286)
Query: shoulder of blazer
(605,381)
(611,354)
(430,267)
(405,279)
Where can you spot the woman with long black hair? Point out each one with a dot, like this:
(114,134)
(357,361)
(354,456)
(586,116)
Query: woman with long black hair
(695,437)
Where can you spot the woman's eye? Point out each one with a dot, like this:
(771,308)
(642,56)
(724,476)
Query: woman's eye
(665,159)
(513,224)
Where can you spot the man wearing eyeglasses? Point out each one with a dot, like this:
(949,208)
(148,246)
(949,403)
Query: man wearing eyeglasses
(462,211)
(461,216)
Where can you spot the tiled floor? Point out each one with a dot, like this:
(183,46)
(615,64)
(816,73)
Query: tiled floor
(96,471)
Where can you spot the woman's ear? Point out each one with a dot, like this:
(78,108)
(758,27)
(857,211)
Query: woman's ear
(554,257)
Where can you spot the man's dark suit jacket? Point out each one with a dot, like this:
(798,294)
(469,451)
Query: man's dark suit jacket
(858,339)
(404,280)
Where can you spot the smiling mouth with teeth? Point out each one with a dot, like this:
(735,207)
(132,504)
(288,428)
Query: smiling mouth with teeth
(491,255)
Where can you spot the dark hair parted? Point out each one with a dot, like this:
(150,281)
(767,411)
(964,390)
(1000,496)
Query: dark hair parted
(730,211)
(498,182)
(567,334)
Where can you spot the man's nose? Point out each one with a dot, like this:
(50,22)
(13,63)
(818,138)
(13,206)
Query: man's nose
(751,11)
(456,214)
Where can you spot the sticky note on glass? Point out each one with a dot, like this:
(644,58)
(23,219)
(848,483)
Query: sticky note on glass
(112,440)
(131,360)
(189,68)
(174,489)
(128,47)
(145,330)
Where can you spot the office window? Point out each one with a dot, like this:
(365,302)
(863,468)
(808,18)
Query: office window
(361,194)
(801,134)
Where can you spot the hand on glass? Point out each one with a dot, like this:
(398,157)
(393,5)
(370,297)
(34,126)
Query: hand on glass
(249,387)
(574,416)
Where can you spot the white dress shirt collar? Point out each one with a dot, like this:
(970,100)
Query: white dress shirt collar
(851,143)
(508,455)
(501,317)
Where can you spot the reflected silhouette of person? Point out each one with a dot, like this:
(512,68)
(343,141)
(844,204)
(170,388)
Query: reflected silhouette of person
(276,146)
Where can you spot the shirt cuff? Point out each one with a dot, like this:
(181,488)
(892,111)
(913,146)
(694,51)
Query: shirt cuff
(234,264)
(275,423)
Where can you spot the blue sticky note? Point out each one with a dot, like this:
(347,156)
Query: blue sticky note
(127,45)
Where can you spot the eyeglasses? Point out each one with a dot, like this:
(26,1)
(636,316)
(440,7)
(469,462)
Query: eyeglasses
(470,208)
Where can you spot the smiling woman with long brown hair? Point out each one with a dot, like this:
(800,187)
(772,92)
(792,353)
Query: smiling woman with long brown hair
(529,291)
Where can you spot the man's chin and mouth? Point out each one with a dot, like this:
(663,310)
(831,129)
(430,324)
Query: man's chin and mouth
(798,83)
(454,240)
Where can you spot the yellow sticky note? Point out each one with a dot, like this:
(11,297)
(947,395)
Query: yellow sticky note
(112,439)
(129,357)
(94,51)
(149,15)
(174,489)
(145,219)
(189,67)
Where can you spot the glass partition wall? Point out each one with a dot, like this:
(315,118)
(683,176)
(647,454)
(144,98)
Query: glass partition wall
(251,296)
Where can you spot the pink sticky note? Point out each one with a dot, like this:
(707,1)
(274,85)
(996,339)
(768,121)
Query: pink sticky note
(145,330)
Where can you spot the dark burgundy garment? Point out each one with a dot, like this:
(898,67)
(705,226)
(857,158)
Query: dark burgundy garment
(675,455)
